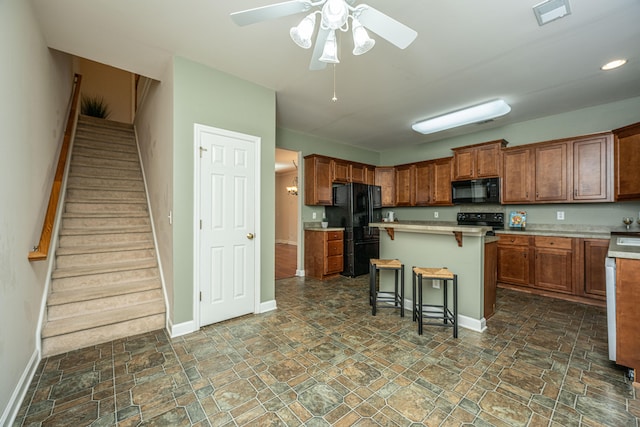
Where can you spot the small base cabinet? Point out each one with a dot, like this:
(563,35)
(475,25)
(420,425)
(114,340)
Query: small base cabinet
(627,313)
(323,253)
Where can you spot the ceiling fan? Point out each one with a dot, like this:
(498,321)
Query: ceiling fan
(334,15)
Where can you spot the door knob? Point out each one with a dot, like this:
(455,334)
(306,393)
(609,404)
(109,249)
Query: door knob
(250,236)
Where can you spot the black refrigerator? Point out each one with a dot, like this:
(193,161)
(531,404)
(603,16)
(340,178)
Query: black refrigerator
(354,207)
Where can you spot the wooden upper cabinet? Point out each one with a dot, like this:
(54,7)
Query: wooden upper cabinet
(551,172)
(370,173)
(592,169)
(478,161)
(318,180)
(359,173)
(404,185)
(626,161)
(517,175)
(441,182)
(386,179)
(422,183)
(341,171)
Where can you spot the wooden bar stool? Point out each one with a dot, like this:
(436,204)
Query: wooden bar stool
(441,313)
(386,298)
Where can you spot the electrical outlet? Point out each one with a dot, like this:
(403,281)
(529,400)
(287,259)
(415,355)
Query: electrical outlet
(436,214)
(560,215)
(436,284)
(314,215)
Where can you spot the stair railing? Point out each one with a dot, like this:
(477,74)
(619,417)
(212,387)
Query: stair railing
(41,252)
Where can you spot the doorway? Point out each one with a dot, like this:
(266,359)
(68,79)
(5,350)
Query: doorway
(287,214)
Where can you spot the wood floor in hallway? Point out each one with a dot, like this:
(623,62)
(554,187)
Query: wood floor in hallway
(286,260)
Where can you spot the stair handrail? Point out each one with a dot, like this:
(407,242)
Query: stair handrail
(41,252)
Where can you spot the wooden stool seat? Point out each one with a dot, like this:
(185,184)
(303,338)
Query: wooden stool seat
(440,315)
(388,299)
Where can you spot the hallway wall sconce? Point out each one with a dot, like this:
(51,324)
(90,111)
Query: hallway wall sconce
(293,188)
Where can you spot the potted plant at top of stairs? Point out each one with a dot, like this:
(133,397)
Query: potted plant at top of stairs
(95,106)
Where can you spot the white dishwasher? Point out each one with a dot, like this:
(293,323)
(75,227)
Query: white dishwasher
(610,268)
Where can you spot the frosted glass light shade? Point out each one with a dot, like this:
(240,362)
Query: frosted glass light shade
(330,51)
(302,33)
(477,113)
(361,40)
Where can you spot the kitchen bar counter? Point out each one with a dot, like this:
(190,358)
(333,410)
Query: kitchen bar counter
(623,251)
(439,244)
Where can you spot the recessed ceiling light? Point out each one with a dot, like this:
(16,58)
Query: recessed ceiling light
(613,64)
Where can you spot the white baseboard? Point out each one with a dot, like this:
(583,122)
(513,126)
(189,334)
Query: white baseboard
(183,328)
(13,406)
(300,273)
(463,321)
(268,306)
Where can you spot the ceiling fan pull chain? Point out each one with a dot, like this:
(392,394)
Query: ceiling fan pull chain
(334,99)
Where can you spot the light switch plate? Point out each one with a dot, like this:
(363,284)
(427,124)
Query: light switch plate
(560,215)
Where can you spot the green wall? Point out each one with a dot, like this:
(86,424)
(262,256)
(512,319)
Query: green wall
(206,96)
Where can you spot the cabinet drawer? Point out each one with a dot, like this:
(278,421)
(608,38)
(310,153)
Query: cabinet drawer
(516,240)
(334,235)
(334,264)
(553,242)
(334,247)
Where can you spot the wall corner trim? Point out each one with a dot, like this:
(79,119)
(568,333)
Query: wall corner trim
(182,328)
(267,306)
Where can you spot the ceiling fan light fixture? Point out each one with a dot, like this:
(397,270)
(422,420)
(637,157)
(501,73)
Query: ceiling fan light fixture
(361,40)
(301,34)
(330,51)
(334,14)
(477,113)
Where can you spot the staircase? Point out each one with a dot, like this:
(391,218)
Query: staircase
(106,282)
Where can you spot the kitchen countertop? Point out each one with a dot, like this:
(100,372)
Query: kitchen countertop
(319,228)
(583,232)
(433,227)
(623,251)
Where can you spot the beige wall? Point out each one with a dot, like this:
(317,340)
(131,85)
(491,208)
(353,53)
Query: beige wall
(114,85)
(286,210)
(35,87)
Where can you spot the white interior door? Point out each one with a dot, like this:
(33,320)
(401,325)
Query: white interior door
(227,236)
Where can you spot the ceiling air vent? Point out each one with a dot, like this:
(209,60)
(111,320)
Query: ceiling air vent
(551,10)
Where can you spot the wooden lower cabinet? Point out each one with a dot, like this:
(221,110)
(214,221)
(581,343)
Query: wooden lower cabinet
(563,267)
(490,278)
(323,253)
(627,313)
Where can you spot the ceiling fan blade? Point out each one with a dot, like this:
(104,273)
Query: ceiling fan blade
(321,39)
(264,13)
(385,26)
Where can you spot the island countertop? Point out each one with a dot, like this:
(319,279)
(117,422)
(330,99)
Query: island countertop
(432,227)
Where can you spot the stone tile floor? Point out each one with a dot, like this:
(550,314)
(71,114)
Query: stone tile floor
(322,359)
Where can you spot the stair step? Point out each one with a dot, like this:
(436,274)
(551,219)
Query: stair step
(106,247)
(98,280)
(83,182)
(84,207)
(115,195)
(60,273)
(106,291)
(106,239)
(107,152)
(86,231)
(97,162)
(99,259)
(94,302)
(108,173)
(90,223)
(61,344)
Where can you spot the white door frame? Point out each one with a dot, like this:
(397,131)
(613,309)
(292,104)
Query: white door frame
(196,213)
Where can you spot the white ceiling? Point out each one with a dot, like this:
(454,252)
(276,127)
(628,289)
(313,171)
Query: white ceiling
(467,51)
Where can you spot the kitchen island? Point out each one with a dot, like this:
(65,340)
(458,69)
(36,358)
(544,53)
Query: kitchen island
(439,244)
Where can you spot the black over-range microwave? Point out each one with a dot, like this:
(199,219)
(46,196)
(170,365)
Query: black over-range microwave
(485,190)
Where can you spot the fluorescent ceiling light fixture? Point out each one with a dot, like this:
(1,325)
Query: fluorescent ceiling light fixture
(613,64)
(550,10)
(478,113)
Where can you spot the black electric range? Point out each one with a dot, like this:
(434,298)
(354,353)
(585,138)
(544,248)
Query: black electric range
(495,220)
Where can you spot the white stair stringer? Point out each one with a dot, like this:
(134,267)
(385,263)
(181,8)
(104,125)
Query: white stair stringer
(106,284)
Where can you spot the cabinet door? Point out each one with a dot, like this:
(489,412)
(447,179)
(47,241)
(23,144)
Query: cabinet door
(554,270)
(517,176)
(627,313)
(595,253)
(358,173)
(341,171)
(591,173)
(488,161)
(513,265)
(386,179)
(441,182)
(371,175)
(404,185)
(317,181)
(464,164)
(490,278)
(626,161)
(422,188)
(551,173)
